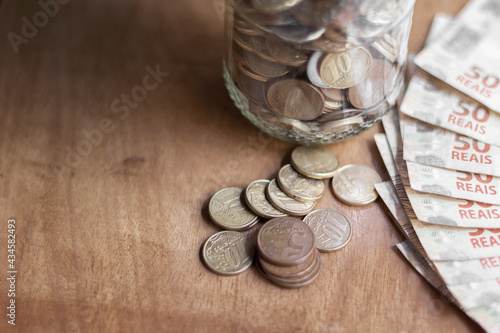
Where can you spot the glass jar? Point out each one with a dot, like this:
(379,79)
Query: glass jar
(315,71)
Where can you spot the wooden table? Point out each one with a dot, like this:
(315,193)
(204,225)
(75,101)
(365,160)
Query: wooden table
(110,200)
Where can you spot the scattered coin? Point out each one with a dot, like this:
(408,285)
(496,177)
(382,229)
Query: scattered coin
(286,204)
(298,186)
(285,241)
(332,230)
(228,253)
(314,162)
(227,210)
(255,197)
(345,69)
(295,99)
(354,185)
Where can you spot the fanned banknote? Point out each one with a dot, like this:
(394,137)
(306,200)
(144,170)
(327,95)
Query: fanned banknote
(452,183)
(437,147)
(468,271)
(429,100)
(466,56)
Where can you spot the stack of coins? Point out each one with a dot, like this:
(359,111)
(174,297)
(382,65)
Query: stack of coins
(299,64)
(287,255)
(287,246)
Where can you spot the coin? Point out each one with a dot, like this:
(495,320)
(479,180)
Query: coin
(293,283)
(312,70)
(286,53)
(333,94)
(228,253)
(272,7)
(354,185)
(345,69)
(259,44)
(297,33)
(300,187)
(227,210)
(314,162)
(332,230)
(264,67)
(286,204)
(255,197)
(341,125)
(285,241)
(295,99)
(388,47)
(252,85)
(290,272)
(242,40)
(371,90)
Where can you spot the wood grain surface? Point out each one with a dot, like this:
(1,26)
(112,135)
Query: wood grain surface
(110,197)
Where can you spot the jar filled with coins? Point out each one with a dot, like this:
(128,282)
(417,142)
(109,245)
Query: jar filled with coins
(315,71)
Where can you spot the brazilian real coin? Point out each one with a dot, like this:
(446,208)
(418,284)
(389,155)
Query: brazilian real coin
(228,253)
(295,99)
(284,203)
(298,186)
(255,197)
(332,230)
(314,162)
(229,212)
(354,185)
(345,69)
(285,241)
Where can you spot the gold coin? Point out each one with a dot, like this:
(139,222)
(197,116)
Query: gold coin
(286,204)
(286,53)
(354,185)
(314,162)
(333,94)
(295,99)
(345,69)
(285,241)
(266,68)
(332,230)
(300,187)
(228,253)
(255,197)
(227,210)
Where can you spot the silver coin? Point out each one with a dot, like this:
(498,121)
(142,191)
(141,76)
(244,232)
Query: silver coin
(297,33)
(313,70)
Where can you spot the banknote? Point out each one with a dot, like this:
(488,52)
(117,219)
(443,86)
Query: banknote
(431,101)
(421,266)
(438,209)
(442,242)
(452,183)
(439,24)
(468,271)
(429,145)
(476,294)
(488,317)
(466,56)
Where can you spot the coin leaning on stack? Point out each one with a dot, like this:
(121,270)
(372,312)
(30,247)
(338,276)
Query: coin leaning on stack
(287,247)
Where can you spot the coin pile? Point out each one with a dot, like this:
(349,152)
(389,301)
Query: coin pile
(298,63)
(287,246)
